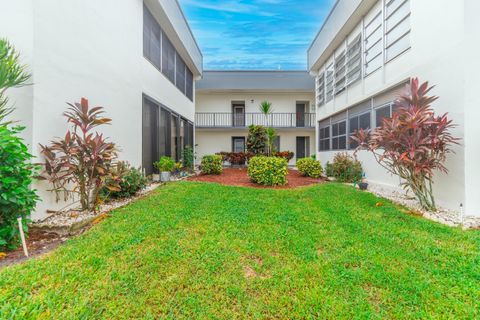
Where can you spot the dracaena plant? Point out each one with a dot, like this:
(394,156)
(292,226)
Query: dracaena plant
(413,143)
(79,164)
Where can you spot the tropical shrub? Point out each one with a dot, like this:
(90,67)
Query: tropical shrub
(165,164)
(345,168)
(79,164)
(125,181)
(413,143)
(212,164)
(188,157)
(16,175)
(257,139)
(309,167)
(284,154)
(271,136)
(268,171)
(12,75)
(236,158)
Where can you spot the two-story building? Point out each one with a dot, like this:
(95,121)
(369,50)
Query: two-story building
(365,54)
(137,59)
(227,103)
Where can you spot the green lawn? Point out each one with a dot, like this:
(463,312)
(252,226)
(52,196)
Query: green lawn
(205,251)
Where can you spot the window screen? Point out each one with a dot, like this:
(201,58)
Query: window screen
(354,60)
(151,38)
(149,135)
(340,72)
(168,58)
(339,135)
(373,44)
(382,113)
(321,90)
(238,144)
(324,138)
(329,83)
(397,25)
(180,73)
(356,123)
(189,84)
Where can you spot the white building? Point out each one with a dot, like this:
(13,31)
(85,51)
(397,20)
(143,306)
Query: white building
(365,53)
(137,59)
(228,102)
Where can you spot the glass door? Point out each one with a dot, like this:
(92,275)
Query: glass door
(301,114)
(239,115)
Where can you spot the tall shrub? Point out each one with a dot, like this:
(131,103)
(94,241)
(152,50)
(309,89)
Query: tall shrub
(16,175)
(257,139)
(12,74)
(79,164)
(414,143)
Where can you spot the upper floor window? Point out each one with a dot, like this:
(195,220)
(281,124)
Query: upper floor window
(159,50)
(354,60)
(329,82)
(321,89)
(397,28)
(373,44)
(340,72)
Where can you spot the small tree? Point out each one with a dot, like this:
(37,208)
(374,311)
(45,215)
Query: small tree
(12,75)
(267,109)
(257,139)
(79,164)
(413,143)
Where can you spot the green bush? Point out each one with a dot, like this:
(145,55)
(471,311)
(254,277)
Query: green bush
(16,175)
(309,167)
(165,164)
(345,168)
(188,157)
(212,164)
(125,182)
(268,171)
(257,139)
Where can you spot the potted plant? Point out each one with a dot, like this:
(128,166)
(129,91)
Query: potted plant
(165,165)
(363,185)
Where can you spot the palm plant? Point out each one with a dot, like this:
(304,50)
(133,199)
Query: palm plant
(267,109)
(12,75)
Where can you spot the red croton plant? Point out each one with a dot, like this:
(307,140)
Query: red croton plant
(79,164)
(413,143)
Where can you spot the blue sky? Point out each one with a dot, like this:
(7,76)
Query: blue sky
(255,34)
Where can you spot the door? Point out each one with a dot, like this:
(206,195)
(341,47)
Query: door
(238,144)
(149,135)
(239,115)
(303,147)
(301,114)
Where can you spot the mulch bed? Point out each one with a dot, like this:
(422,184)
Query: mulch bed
(38,242)
(239,177)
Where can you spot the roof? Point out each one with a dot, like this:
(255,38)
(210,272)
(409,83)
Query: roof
(263,80)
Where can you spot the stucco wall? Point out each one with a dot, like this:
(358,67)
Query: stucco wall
(436,55)
(83,48)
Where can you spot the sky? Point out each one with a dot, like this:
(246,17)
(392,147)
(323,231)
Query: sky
(255,34)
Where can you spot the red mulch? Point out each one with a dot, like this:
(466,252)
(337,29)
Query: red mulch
(38,242)
(239,177)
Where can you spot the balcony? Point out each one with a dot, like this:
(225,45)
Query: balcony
(276,120)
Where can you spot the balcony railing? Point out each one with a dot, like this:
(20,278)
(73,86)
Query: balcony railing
(276,120)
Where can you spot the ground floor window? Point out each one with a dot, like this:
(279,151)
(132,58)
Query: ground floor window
(238,144)
(339,135)
(324,138)
(355,123)
(164,133)
(383,112)
(276,143)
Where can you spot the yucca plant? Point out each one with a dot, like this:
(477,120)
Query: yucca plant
(413,143)
(79,164)
(12,75)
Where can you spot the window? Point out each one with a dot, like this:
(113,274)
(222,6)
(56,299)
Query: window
(354,58)
(180,74)
(340,72)
(382,113)
(324,138)
(329,81)
(151,38)
(238,144)
(189,84)
(321,90)
(397,28)
(373,44)
(339,135)
(168,58)
(356,123)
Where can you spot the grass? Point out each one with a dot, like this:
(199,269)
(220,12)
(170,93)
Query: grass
(206,251)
